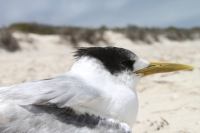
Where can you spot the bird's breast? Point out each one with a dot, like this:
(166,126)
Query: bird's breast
(120,104)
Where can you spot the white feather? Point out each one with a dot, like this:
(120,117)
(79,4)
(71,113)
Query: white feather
(87,87)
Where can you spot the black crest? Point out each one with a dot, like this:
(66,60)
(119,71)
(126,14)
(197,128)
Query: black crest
(113,58)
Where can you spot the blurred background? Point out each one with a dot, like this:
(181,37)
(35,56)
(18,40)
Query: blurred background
(37,39)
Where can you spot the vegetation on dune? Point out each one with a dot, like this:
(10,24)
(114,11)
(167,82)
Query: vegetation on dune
(94,35)
(150,35)
(33,28)
(73,34)
(89,35)
(8,42)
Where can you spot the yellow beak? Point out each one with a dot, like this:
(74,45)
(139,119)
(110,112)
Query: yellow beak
(162,67)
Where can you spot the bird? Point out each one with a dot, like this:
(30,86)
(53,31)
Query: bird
(97,95)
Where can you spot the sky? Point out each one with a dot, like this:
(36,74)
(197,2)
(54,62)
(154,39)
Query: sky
(95,13)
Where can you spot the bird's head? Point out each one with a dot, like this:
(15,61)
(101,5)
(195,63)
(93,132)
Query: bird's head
(119,63)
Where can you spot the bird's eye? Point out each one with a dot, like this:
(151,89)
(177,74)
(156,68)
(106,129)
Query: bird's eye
(128,64)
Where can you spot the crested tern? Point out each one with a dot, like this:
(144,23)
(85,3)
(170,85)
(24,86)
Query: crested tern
(97,95)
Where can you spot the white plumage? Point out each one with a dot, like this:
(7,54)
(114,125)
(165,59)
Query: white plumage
(86,99)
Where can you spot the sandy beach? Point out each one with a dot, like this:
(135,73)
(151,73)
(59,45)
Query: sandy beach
(169,103)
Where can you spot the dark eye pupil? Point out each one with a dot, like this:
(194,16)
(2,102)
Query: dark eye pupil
(128,64)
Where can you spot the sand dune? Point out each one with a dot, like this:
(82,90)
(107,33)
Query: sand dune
(169,103)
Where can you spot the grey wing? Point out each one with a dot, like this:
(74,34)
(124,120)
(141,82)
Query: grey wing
(40,106)
(62,91)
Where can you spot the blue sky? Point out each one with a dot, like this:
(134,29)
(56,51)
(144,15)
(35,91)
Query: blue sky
(94,13)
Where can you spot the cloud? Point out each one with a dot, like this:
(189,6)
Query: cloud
(94,13)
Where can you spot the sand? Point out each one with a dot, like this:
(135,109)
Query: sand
(169,103)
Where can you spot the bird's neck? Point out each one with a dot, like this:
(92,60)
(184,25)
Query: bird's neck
(93,71)
(120,88)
